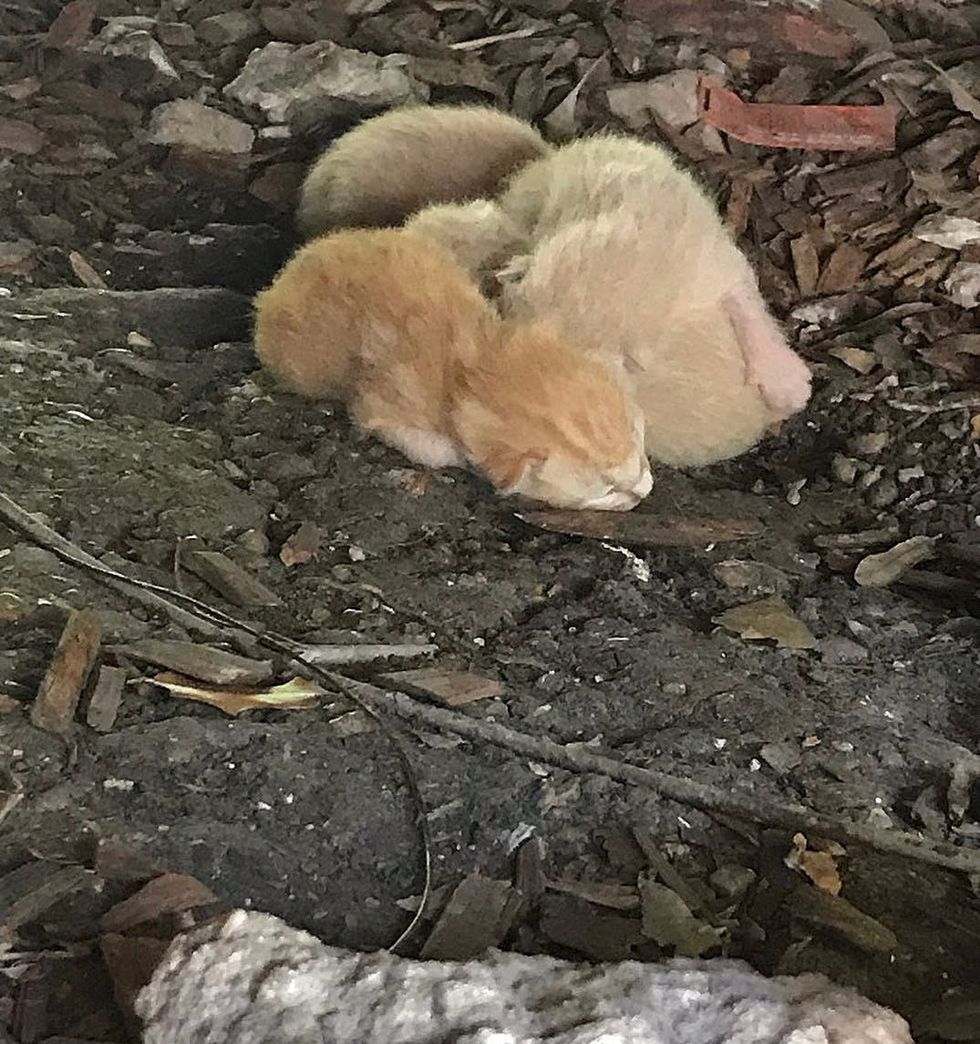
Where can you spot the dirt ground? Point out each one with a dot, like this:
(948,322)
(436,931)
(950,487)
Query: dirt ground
(131,422)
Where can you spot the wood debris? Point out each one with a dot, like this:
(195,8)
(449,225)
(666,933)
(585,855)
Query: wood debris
(846,128)
(886,567)
(203,662)
(818,863)
(479,915)
(63,682)
(452,688)
(228,578)
(580,926)
(669,922)
(106,698)
(167,894)
(32,889)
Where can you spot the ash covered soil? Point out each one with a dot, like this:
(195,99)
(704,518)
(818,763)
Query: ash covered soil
(133,422)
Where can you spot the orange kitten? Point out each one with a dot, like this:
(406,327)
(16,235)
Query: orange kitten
(388,323)
(390,166)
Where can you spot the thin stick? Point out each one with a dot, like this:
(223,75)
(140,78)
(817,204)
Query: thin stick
(696,795)
(204,619)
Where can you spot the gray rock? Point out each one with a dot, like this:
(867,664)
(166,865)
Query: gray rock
(229,27)
(188,318)
(253,979)
(192,125)
(299,85)
(963,284)
(129,41)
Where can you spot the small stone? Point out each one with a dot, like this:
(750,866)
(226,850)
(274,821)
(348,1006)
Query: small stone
(675,689)
(780,757)
(230,27)
(869,445)
(732,881)
(300,85)
(844,469)
(754,578)
(883,493)
(839,650)
(908,474)
(193,125)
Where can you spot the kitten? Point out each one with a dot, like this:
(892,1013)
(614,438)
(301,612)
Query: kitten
(479,235)
(393,165)
(631,259)
(388,323)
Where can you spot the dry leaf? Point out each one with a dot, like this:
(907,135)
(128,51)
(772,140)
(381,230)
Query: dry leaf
(818,865)
(72,25)
(302,546)
(18,136)
(885,568)
(296,694)
(769,618)
(847,128)
(166,894)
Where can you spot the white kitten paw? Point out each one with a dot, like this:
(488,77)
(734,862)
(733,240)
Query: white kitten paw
(785,383)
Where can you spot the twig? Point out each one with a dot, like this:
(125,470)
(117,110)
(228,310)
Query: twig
(218,624)
(696,795)
(954,402)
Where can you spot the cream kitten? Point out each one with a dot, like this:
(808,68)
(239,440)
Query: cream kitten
(631,259)
(387,322)
(388,167)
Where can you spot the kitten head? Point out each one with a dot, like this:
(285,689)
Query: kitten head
(551,424)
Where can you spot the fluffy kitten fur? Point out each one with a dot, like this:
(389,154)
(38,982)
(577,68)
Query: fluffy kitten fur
(387,322)
(479,235)
(388,167)
(630,259)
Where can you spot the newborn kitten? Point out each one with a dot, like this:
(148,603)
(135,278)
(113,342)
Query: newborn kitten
(479,235)
(388,323)
(388,167)
(631,259)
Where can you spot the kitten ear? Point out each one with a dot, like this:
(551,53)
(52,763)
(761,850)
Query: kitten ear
(508,468)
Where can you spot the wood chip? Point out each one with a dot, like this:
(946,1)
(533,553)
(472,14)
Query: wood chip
(529,875)
(343,655)
(847,128)
(199,661)
(103,706)
(806,264)
(228,578)
(479,915)
(843,270)
(61,687)
(87,275)
(885,568)
(636,529)
(452,688)
(31,890)
(115,860)
(167,894)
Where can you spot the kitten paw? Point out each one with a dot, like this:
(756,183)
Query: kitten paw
(424,447)
(785,384)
